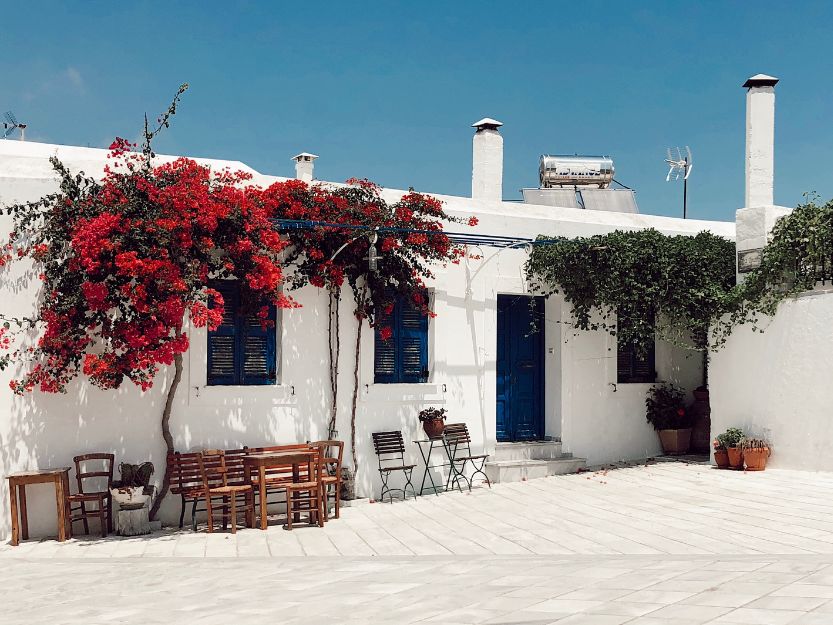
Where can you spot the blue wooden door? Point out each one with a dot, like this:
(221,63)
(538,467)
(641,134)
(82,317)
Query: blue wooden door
(520,368)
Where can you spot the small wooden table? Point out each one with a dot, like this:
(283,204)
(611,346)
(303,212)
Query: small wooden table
(261,462)
(17,483)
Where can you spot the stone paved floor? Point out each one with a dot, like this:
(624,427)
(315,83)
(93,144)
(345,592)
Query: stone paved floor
(669,543)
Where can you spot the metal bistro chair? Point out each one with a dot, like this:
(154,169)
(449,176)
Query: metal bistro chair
(214,472)
(458,444)
(102,499)
(390,451)
(332,453)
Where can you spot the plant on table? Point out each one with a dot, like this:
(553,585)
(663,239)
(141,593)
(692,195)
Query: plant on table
(432,421)
(665,411)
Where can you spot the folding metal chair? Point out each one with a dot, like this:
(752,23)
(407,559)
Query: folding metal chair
(390,451)
(458,445)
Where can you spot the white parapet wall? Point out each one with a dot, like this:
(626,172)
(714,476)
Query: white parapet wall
(779,383)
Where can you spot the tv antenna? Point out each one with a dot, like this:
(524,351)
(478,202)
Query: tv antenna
(680,165)
(11,124)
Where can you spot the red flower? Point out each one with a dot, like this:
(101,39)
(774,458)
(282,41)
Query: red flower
(386,333)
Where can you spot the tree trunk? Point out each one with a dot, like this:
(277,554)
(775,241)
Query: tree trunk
(166,434)
(334,337)
(355,398)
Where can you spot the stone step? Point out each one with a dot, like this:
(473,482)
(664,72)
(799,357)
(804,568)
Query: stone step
(519,470)
(528,450)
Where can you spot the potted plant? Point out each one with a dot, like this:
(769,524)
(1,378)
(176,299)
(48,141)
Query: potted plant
(432,421)
(665,410)
(731,440)
(756,451)
(721,456)
(133,490)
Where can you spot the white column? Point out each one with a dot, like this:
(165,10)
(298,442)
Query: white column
(487,161)
(760,140)
(304,166)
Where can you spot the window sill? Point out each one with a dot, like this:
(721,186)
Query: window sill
(268,394)
(404,393)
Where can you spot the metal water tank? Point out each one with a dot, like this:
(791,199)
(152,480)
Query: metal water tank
(574,171)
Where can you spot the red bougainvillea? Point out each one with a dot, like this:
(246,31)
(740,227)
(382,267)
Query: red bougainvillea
(124,258)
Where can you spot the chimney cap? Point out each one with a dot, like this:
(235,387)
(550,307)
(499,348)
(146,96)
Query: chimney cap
(760,80)
(304,156)
(487,123)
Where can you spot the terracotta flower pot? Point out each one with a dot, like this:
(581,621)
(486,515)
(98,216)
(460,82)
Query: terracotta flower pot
(675,441)
(433,427)
(735,457)
(755,459)
(721,458)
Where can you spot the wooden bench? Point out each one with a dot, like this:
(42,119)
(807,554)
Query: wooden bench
(186,479)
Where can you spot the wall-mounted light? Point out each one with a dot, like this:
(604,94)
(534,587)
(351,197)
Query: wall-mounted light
(372,255)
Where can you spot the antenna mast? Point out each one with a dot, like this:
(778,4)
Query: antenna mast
(680,164)
(11,124)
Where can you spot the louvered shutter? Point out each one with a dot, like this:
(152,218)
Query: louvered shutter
(630,365)
(384,352)
(222,342)
(259,360)
(413,342)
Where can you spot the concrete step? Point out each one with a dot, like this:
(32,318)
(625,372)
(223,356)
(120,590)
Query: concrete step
(519,470)
(528,450)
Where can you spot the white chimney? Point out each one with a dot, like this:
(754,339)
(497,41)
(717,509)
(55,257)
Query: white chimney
(304,166)
(487,160)
(760,140)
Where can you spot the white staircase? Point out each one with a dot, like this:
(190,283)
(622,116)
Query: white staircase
(516,462)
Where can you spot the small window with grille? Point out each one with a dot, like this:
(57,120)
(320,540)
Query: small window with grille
(631,365)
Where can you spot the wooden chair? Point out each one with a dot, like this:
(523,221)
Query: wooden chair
(102,499)
(307,494)
(458,445)
(390,451)
(332,453)
(214,472)
(186,479)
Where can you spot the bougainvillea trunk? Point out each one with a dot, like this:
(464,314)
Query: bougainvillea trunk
(355,398)
(166,434)
(334,337)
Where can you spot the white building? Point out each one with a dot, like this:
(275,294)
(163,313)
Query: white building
(478,341)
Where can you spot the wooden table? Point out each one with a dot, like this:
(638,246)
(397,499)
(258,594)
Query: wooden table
(17,484)
(294,457)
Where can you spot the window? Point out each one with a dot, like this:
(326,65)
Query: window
(403,357)
(241,351)
(632,367)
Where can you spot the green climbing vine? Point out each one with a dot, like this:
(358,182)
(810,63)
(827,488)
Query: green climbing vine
(638,284)
(642,284)
(798,256)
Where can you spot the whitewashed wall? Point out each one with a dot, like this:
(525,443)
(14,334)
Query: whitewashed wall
(779,383)
(42,430)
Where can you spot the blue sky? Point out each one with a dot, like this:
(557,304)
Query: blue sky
(387,91)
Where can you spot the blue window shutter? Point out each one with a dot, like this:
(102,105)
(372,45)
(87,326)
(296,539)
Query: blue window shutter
(413,342)
(403,357)
(240,350)
(222,342)
(384,352)
(257,349)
